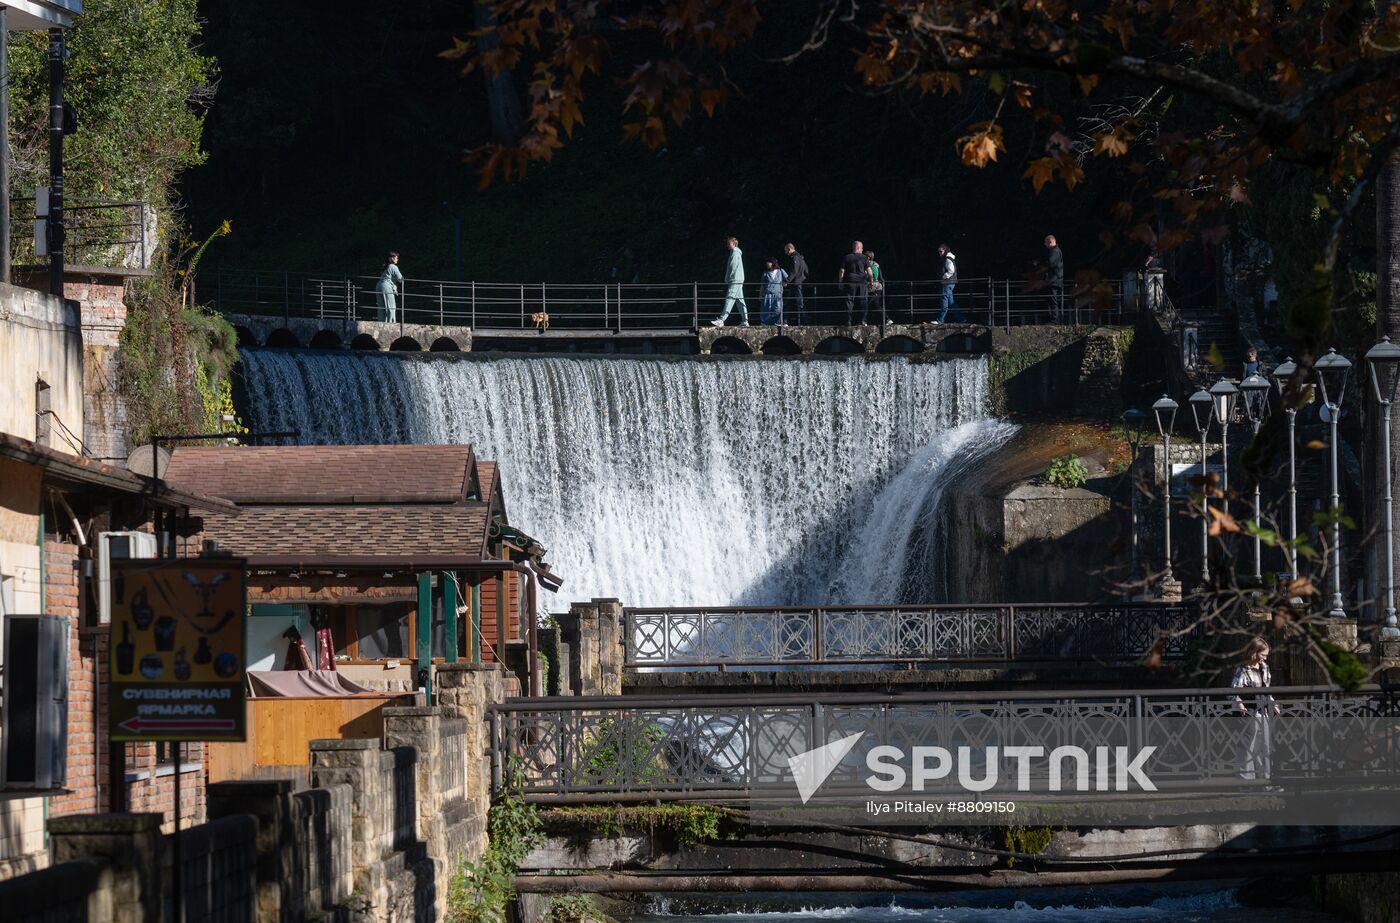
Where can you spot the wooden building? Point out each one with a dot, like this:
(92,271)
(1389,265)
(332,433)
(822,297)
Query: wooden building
(383,558)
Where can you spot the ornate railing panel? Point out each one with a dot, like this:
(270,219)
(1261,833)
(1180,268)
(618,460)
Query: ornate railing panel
(905,634)
(667,747)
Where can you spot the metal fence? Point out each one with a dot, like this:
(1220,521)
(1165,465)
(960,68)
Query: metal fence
(725,746)
(679,306)
(798,636)
(97,232)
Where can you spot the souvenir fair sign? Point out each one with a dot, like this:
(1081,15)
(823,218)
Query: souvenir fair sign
(176,657)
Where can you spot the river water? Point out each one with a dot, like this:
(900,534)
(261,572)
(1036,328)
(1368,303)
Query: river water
(1191,903)
(667,482)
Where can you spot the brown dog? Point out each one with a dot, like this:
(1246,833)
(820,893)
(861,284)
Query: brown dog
(541,320)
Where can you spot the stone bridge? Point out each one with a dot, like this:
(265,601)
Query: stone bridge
(373,336)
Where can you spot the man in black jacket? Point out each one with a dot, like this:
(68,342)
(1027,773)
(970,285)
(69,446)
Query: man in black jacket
(797,277)
(1055,276)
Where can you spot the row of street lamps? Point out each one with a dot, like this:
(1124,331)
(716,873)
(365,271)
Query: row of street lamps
(1217,406)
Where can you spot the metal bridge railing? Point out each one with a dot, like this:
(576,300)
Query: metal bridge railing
(680,306)
(725,746)
(97,232)
(803,636)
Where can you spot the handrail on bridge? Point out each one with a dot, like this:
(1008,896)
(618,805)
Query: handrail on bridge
(682,747)
(679,306)
(849,635)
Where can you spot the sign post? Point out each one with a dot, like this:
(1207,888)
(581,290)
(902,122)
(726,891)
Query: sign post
(177,657)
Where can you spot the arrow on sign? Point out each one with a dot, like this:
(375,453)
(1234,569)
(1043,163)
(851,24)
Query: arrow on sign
(137,725)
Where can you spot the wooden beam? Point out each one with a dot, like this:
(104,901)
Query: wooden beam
(424,639)
(449,583)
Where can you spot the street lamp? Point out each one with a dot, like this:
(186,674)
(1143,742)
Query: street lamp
(1384,362)
(1285,374)
(1135,423)
(1165,411)
(1202,409)
(1332,377)
(1224,394)
(1256,407)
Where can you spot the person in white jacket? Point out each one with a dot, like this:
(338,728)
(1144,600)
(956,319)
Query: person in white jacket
(950,281)
(734,285)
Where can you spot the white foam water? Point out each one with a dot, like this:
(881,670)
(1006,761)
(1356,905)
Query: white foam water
(671,482)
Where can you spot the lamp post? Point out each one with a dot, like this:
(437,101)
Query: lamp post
(1332,377)
(1224,394)
(1256,407)
(1202,409)
(1384,362)
(1135,423)
(1165,411)
(1286,372)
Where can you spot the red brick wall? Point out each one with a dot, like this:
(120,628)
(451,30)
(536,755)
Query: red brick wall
(149,787)
(61,598)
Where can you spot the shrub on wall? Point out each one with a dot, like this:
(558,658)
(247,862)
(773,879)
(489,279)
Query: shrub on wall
(1066,471)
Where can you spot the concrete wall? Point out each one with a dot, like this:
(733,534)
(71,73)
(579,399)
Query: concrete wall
(40,337)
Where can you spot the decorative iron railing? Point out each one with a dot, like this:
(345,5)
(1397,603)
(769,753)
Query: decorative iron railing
(797,636)
(722,746)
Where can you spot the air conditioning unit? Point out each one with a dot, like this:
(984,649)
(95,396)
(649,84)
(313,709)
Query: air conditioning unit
(34,720)
(114,546)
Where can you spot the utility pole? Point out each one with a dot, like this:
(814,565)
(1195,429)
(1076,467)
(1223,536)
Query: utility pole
(55,222)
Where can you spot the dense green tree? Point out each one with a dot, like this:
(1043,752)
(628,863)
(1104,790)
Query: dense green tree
(139,86)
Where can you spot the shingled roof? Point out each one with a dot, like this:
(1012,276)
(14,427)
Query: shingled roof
(397,530)
(326,503)
(323,474)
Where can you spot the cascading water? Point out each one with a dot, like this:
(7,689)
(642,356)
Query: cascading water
(678,482)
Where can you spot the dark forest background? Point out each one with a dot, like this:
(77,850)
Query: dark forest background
(337,133)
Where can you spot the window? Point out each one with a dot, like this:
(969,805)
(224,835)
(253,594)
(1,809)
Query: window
(382,631)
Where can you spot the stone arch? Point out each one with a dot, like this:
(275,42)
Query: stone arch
(899,344)
(730,346)
(839,346)
(245,336)
(960,343)
(282,338)
(365,341)
(445,345)
(406,345)
(326,339)
(781,346)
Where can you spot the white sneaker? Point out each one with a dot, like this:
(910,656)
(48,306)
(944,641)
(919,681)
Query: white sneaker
(936,323)
(716,323)
(743,325)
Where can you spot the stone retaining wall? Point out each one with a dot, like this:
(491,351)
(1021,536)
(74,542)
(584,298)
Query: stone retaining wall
(376,838)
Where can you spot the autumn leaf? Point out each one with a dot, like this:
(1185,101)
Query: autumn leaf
(1040,172)
(1301,586)
(1221,522)
(1023,95)
(981,147)
(1113,143)
(1087,82)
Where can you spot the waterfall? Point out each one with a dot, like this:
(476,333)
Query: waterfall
(671,482)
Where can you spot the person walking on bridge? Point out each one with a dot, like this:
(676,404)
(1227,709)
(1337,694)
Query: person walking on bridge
(387,288)
(734,285)
(774,278)
(797,277)
(1055,277)
(948,274)
(854,277)
(1259,710)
